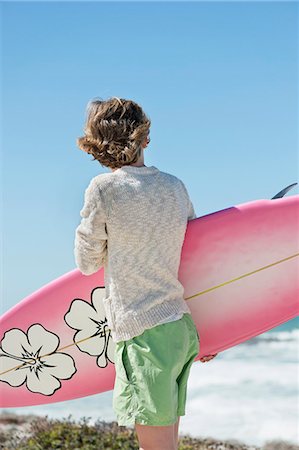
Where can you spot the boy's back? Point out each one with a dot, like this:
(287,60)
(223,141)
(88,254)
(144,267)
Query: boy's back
(135,219)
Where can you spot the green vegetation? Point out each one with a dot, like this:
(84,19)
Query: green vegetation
(42,433)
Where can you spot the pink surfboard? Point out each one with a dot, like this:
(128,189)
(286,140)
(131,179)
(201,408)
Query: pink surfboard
(239,268)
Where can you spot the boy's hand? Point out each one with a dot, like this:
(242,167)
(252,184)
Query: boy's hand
(207,358)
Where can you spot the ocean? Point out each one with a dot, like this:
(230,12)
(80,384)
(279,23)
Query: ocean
(248,392)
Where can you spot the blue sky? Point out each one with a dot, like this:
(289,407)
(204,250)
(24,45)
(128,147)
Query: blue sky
(218,80)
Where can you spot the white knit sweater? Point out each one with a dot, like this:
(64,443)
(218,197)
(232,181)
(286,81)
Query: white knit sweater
(133,223)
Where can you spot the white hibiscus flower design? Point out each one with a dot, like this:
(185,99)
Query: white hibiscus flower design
(93,335)
(32,359)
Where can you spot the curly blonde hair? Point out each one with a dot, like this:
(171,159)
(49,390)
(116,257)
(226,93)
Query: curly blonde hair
(114,131)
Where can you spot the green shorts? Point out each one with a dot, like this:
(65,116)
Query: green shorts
(152,371)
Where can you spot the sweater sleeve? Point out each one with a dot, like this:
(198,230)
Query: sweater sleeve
(191,211)
(192,214)
(90,246)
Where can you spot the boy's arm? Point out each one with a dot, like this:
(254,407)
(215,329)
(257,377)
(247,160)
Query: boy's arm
(191,211)
(90,245)
(192,214)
